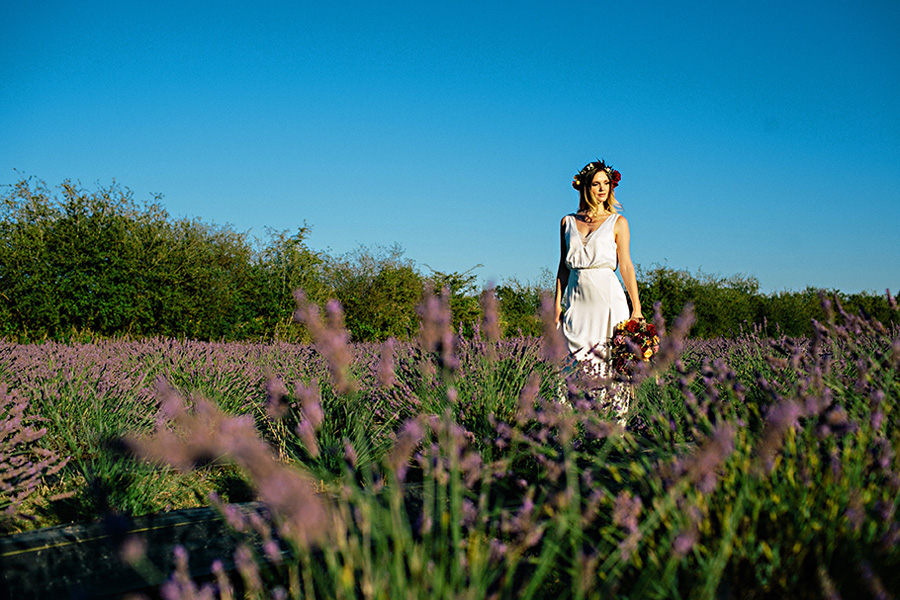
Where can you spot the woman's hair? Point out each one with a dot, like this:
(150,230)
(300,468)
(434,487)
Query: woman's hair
(582,182)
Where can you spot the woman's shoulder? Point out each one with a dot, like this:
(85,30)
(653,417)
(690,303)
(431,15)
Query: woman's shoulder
(565,219)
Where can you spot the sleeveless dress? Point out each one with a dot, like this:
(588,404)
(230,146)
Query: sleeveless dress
(594,296)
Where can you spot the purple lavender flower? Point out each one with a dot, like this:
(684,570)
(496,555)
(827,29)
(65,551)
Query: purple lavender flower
(436,329)
(133,550)
(498,551)
(491,310)
(249,570)
(23,463)
(555,346)
(781,419)
(626,511)
(350,455)
(180,586)
(685,542)
(527,398)
(385,371)
(207,434)
(276,396)
(311,403)
(409,437)
(307,435)
(331,338)
(703,465)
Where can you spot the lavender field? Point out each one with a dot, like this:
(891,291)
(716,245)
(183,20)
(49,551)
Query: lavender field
(750,467)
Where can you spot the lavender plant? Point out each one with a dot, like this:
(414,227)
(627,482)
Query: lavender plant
(24,462)
(751,466)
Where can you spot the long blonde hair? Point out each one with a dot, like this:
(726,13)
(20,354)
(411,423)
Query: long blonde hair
(585,198)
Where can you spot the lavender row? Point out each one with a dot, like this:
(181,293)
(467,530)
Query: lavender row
(485,468)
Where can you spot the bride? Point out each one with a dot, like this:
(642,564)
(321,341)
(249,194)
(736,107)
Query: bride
(594,242)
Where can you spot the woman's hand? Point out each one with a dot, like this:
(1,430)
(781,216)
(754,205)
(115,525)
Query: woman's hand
(636,315)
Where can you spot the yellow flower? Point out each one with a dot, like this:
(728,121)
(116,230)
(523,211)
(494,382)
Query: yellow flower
(648,353)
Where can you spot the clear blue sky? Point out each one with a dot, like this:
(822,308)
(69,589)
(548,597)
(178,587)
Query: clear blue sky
(758,138)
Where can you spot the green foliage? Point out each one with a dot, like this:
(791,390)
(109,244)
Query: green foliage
(100,262)
(362,420)
(75,264)
(725,305)
(792,312)
(284,264)
(721,304)
(520,306)
(464,297)
(378,290)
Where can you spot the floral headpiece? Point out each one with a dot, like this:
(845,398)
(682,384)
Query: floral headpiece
(614,176)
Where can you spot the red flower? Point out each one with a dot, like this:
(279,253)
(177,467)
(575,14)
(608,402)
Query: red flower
(644,343)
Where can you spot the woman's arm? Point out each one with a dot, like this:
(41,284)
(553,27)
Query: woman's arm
(626,267)
(562,272)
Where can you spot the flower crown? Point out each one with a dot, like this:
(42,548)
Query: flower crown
(614,176)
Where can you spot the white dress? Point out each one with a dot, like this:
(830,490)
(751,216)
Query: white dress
(594,298)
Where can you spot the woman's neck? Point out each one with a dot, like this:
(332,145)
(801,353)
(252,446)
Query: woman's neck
(594,214)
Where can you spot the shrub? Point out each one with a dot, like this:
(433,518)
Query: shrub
(24,462)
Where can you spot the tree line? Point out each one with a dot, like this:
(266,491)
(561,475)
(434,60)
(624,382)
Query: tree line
(77,262)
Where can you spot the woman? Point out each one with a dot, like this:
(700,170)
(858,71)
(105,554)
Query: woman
(593,242)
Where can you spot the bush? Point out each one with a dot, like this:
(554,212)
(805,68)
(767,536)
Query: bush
(379,291)
(520,305)
(102,263)
(76,264)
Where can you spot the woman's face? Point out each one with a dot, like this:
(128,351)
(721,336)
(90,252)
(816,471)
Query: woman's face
(600,187)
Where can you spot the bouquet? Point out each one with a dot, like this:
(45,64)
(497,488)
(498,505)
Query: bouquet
(631,341)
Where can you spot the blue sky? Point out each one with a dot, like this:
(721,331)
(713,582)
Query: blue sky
(757,138)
